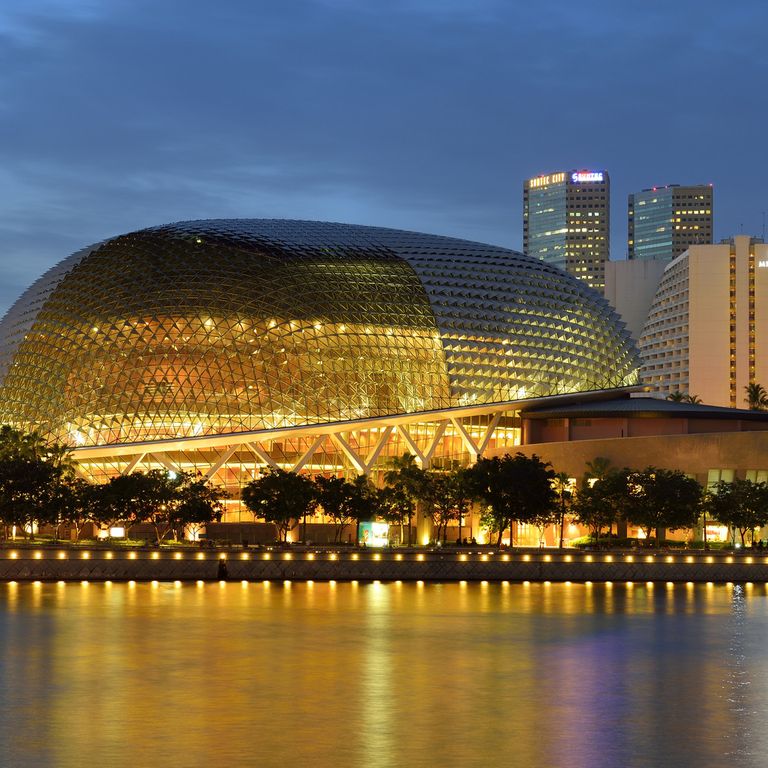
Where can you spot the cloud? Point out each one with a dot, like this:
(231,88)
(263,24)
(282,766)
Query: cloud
(415,113)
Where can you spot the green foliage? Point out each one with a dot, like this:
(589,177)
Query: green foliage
(346,501)
(447,496)
(280,497)
(562,486)
(513,488)
(658,498)
(194,503)
(32,476)
(597,469)
(756,397)
(409,483)
(741,504)
(135,498)
(595,506)
(683,397)
(170,501)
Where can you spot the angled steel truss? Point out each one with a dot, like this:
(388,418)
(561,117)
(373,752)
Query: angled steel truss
(438,439)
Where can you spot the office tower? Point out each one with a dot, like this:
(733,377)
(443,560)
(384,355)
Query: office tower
(664,221)
(566,222)
(707,331)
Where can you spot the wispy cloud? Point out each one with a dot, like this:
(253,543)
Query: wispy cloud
(425,114)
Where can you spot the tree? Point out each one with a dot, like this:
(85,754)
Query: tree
(447,497)
(595,507)
(395,506)
(409,478)
(135,498)
(741,504)
(333,496)
(513,488)
(31,474)
(757,397)
(195,503)
(363,501)
(27,492)
(280,497)
(73,504)
(15,444)
(597,469)
(659,498)
(683,397)
(563,489)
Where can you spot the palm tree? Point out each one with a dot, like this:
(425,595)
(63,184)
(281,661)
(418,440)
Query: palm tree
(407,477)
(693,399)
(598,468)
(563,487)
(757,397)
(677,396)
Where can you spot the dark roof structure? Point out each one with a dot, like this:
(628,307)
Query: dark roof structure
(639,407)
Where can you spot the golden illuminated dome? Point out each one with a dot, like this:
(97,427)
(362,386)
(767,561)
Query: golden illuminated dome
(218,326)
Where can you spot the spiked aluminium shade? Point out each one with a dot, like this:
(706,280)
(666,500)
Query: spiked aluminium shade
(219,326)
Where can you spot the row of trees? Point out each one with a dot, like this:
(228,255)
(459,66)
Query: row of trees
(39,487)
(285,499)
(755,396)
(513,489)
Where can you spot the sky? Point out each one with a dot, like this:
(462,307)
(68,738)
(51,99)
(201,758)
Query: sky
(415,114)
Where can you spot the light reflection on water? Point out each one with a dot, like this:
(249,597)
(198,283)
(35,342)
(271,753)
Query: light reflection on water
(381,675)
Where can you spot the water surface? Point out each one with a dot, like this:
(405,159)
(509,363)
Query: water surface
(382,675)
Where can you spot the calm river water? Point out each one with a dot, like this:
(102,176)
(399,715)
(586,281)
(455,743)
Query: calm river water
(383,675)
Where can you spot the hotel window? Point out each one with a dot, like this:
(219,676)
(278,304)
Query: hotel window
(757,475)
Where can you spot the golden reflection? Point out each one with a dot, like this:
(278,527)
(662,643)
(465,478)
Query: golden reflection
(362,656)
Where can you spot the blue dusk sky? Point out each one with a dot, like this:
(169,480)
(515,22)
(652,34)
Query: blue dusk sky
(415,114)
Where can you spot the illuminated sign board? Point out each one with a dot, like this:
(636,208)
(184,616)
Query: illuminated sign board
(578,177)
(545,181)
(763,263)
(374,534)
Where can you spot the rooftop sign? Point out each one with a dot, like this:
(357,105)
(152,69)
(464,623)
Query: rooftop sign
(578,177)
(545,181)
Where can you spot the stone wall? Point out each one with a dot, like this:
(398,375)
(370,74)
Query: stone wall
(406,565)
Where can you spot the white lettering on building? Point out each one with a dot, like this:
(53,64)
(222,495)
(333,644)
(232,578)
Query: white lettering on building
(578,177)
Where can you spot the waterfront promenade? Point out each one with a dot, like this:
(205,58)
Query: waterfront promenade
(98,563)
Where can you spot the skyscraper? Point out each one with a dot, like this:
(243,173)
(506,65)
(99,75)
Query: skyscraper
(665,221)
(566,222)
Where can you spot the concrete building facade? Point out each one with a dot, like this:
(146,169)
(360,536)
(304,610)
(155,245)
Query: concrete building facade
(630,287)
(707,329)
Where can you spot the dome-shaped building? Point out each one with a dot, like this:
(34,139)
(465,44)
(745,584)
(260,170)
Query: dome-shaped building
(202,335)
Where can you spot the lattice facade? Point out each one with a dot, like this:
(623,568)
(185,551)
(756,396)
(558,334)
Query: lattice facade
(227,326)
